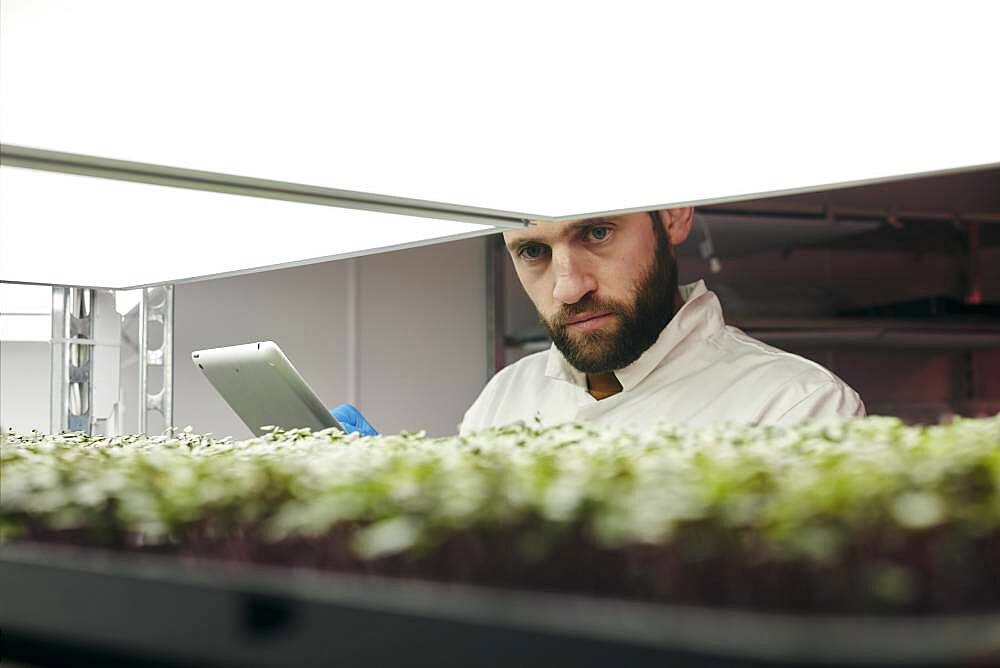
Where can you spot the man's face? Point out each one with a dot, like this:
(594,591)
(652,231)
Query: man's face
(604,288)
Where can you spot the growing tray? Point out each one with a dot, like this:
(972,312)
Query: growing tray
(64,605)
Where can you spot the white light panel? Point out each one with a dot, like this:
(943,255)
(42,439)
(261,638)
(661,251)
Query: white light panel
(553,109)
(76,230)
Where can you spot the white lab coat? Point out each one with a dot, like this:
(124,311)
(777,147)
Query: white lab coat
(698,372)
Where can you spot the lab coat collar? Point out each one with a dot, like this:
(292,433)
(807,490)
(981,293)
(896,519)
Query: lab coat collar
(699,318)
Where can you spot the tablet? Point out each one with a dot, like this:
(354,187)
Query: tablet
(263,388)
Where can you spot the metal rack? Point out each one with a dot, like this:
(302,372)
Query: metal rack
(156,307)
(98,353)
(854,333)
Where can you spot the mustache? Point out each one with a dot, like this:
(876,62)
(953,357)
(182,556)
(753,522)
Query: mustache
(587,305)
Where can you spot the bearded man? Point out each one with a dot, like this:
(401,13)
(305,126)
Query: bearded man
(630,347)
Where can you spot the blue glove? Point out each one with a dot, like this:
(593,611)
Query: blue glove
(351,419)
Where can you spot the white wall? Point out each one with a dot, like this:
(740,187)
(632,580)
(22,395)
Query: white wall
(419,331)
(423,348)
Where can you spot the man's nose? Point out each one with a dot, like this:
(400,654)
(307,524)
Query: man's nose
(573,279)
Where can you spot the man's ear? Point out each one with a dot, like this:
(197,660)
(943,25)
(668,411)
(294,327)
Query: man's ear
(678,223)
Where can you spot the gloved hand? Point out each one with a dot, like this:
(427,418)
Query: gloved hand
(351,419)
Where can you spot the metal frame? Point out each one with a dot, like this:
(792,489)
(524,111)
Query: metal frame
(123,170)
(157,306)
(193,179)
(496,336)
(74,319)
(72,392)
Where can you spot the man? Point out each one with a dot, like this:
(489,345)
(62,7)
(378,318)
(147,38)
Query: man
(632,348)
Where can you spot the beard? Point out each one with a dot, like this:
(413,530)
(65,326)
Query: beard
(639,323)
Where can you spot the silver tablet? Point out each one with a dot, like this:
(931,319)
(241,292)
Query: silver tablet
(263,388)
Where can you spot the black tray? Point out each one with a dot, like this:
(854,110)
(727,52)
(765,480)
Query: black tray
(69,606)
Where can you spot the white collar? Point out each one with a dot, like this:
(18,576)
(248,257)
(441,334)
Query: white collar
(697,319)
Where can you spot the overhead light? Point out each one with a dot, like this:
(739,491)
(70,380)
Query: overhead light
(67,229)
(592,108)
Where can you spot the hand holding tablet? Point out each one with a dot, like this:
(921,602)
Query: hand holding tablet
(263,388)
(351,420)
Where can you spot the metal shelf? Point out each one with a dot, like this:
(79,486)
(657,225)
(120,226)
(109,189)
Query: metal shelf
(876,334)
(857,333)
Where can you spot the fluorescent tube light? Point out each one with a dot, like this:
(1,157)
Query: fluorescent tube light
(77,230)
(555,109)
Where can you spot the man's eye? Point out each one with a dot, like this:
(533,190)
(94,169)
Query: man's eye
(532,252)
(600,233)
